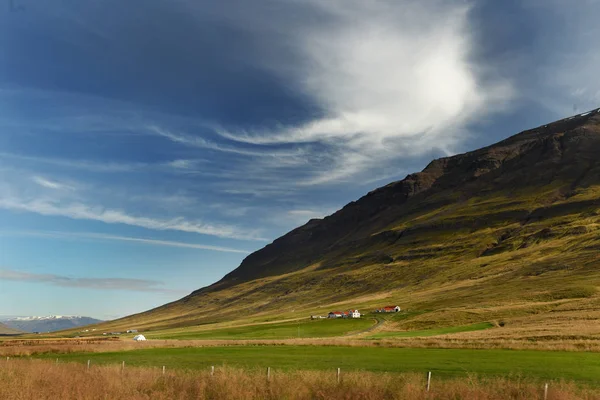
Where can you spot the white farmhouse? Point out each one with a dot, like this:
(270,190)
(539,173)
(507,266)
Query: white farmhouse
(354,314)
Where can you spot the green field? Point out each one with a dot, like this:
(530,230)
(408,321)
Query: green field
(304,329)
(577,366)
(434,332)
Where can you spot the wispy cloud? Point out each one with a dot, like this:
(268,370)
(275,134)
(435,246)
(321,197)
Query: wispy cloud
(50,184)
(126,284)
(96,213)
(86,165)
(200,142)
(100,236)
(177,165)
(183,164)
(307,213)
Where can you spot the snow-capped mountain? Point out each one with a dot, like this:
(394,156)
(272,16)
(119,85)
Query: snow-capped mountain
(45,318)
(50,323)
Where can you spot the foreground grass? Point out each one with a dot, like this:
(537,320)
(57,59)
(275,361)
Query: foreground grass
(434,332)
(583,367)
(289,330)
(35,379)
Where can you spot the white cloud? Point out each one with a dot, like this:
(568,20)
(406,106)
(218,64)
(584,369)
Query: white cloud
(177,165)
(96,213)
(77,164)
(395,79)
(144,241)
(200,142)
(50,184)
(182,164)
(307,213)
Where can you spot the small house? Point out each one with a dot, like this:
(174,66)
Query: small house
(353,314)
(335,314)
(388,309)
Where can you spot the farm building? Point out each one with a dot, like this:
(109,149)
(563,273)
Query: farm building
(344,314)
(387,309)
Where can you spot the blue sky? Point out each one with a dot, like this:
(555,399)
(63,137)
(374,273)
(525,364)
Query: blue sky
(146,147)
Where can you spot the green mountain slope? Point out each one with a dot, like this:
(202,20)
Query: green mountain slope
(495,233)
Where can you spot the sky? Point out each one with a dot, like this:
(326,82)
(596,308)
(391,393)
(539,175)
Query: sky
(147,147)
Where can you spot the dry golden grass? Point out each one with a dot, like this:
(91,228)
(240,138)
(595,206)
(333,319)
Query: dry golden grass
(35,379)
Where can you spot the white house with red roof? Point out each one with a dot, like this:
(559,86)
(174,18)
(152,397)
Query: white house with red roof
(389,309)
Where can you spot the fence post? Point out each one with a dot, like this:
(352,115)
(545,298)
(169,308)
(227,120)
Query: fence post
(338,375)
(89,361)
(268,373)
(164,369)
(546,391)
(212,370)
(57,360)
(428,380)
(123,366)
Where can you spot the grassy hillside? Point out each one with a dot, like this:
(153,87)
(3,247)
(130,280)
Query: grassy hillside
(284,330)
(508,234)
(5,330)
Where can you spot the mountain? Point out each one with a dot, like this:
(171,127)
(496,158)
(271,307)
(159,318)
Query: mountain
(498,232)
(49,324)
(5,330)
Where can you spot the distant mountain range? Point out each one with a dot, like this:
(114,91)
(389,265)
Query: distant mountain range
(5,330)
(48,324)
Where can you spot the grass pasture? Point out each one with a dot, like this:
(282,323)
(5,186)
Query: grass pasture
(434,332)
(548,365)
(286,330)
